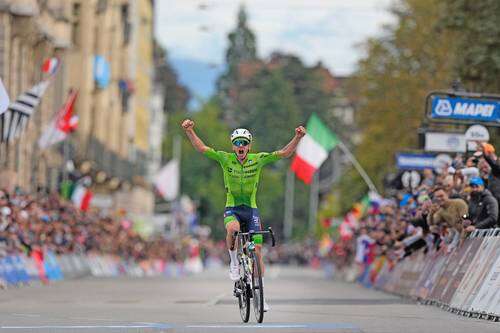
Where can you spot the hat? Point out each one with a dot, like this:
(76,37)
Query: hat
(488,148)
(476,181)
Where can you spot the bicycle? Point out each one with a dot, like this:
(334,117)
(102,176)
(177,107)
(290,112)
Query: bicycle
(249,286)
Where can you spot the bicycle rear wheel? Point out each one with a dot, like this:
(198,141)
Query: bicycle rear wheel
(257,289)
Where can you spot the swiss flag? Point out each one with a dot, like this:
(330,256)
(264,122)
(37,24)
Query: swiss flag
(63,124)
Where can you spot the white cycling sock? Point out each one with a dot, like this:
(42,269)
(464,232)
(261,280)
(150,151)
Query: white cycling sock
(233,256)
(262,282)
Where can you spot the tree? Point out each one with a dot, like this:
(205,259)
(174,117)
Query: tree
(201,178)
(242,48)
(478,46)
(242,44)
(393,80)
(274,112)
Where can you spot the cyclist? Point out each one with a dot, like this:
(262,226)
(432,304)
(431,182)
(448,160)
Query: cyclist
(241,177)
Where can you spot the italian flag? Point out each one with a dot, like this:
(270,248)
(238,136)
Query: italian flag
(313,149)
(82,197)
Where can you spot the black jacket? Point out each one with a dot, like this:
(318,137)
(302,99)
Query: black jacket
(483,210)
(494,178)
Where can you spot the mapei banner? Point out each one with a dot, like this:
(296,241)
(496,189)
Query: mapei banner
(465,109)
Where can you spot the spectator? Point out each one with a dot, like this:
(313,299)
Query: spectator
(492,177)
(429,178)
(483,207)
(447,212)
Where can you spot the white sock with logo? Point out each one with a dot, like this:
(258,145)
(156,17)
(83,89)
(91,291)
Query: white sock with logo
(234,257)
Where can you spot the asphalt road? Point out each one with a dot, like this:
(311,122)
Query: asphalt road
(301,300)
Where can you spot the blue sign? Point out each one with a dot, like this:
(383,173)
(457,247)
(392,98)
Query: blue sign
(102,71)
(409,161)
(469,109)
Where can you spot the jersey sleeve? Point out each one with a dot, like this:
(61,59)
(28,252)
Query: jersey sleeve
(266,158)
(214,155)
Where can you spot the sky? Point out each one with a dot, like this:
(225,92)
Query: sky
(330,31)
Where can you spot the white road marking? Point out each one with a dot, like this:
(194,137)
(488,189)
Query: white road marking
(30,315)
(82,327)
(247,326)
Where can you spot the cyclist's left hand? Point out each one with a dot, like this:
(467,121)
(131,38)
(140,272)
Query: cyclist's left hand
(300,131)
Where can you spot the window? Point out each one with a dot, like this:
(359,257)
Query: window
(76,25)
(126,26)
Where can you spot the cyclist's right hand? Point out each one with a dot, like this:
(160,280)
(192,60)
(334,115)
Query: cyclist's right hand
(187,124)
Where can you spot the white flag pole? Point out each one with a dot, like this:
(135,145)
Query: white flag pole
(358,167)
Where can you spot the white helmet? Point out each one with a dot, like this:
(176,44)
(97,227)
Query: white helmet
(241,133)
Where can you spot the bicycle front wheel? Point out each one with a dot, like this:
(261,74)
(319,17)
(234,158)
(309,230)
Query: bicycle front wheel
(257,289)
(244,301)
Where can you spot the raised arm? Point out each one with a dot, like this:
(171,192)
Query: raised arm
(188,126)
(289,149)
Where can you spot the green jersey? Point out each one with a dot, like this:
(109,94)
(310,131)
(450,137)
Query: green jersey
(241,180)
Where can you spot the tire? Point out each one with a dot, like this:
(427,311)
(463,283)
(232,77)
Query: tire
(244,301)
(257,289)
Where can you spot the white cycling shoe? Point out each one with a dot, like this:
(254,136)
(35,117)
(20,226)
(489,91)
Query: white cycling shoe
(234,272)
(266,306)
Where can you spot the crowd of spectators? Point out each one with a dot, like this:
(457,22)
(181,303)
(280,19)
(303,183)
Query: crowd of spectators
(46,222)
(437,214)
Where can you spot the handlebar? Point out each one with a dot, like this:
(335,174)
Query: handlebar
(253,233)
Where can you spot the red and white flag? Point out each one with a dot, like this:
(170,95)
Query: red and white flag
(50,65)
(82,197)
(63,124)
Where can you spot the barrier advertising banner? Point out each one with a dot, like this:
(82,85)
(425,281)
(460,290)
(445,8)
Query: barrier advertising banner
(465,255)
(466,279)
(468,287)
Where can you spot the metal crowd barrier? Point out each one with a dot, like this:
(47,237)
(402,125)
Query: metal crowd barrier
(465,281)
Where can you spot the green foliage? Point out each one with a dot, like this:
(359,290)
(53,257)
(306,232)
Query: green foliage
(242,47)
(201,178)
(274,112)
(393,81)
(476,23)
(242,44)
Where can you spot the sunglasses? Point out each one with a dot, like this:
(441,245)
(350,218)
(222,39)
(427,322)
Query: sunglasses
(241,143)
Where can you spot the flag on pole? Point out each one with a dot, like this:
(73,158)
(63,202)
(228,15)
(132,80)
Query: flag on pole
(63,124)
(4,98)
(82,197)
(14,120)
(313,149)
(167,180)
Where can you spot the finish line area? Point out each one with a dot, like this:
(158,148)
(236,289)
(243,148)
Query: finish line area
(153,327)
(302,300)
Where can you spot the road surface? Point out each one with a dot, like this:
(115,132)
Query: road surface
(301,300)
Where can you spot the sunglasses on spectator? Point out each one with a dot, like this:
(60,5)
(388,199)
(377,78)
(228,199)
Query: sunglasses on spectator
(241,143)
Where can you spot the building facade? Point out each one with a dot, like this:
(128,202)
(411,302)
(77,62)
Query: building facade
(30,33)
(106,53)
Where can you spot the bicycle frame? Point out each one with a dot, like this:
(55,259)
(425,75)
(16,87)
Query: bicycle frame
(246,286)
